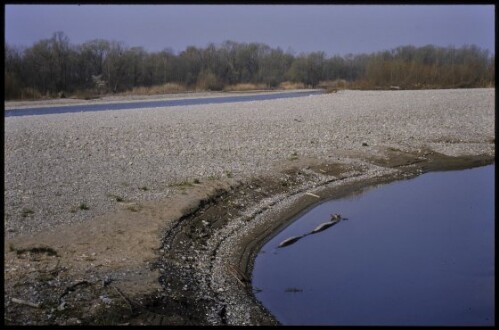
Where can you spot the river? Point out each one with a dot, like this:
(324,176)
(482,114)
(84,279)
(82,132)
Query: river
(155,104)
(417,252)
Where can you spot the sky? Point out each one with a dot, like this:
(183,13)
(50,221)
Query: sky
(334,29)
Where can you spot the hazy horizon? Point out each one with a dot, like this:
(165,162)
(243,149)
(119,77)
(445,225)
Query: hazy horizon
(334,29)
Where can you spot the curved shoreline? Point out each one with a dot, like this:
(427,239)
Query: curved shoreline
(354,187)
(105,204)
(298,203)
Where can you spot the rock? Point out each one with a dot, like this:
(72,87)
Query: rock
(62,306)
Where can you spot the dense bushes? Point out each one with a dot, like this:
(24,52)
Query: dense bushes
(52,66)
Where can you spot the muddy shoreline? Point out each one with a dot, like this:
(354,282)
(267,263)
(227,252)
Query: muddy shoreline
(205,258)
(263,210)
(276,220)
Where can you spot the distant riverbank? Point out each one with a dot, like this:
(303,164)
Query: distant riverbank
(159,103)
(122,98)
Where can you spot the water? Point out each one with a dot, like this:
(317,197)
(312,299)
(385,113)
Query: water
(155,104)
(413,252)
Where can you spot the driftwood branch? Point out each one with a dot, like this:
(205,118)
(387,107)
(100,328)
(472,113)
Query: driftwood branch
(124,298)
(24,302)
(73,287)
(238,275)
(313,195)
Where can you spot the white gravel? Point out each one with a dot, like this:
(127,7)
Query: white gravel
(53,163)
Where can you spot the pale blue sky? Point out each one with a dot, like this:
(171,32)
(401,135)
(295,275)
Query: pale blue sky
(334,29)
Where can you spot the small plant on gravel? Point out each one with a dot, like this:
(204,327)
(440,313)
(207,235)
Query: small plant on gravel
(116,198)
(83,206)
(229,174)
(294,156)
(27,212)
(183,184)
(133,207)
(37,249)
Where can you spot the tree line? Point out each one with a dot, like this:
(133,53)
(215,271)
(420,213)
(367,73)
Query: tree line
(55,67)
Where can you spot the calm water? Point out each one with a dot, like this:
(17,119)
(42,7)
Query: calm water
(155,104)
(413,252)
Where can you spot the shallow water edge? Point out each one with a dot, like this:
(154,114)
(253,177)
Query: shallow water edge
(283,218)
(378,254)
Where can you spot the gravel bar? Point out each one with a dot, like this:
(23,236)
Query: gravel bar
(68,168)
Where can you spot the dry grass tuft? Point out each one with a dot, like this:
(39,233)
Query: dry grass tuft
(168,88)
(30,94)
(85,94)
(208,81)
(291,85)
(332,86)
(244,87)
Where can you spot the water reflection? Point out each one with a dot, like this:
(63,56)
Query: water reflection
(415,252)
